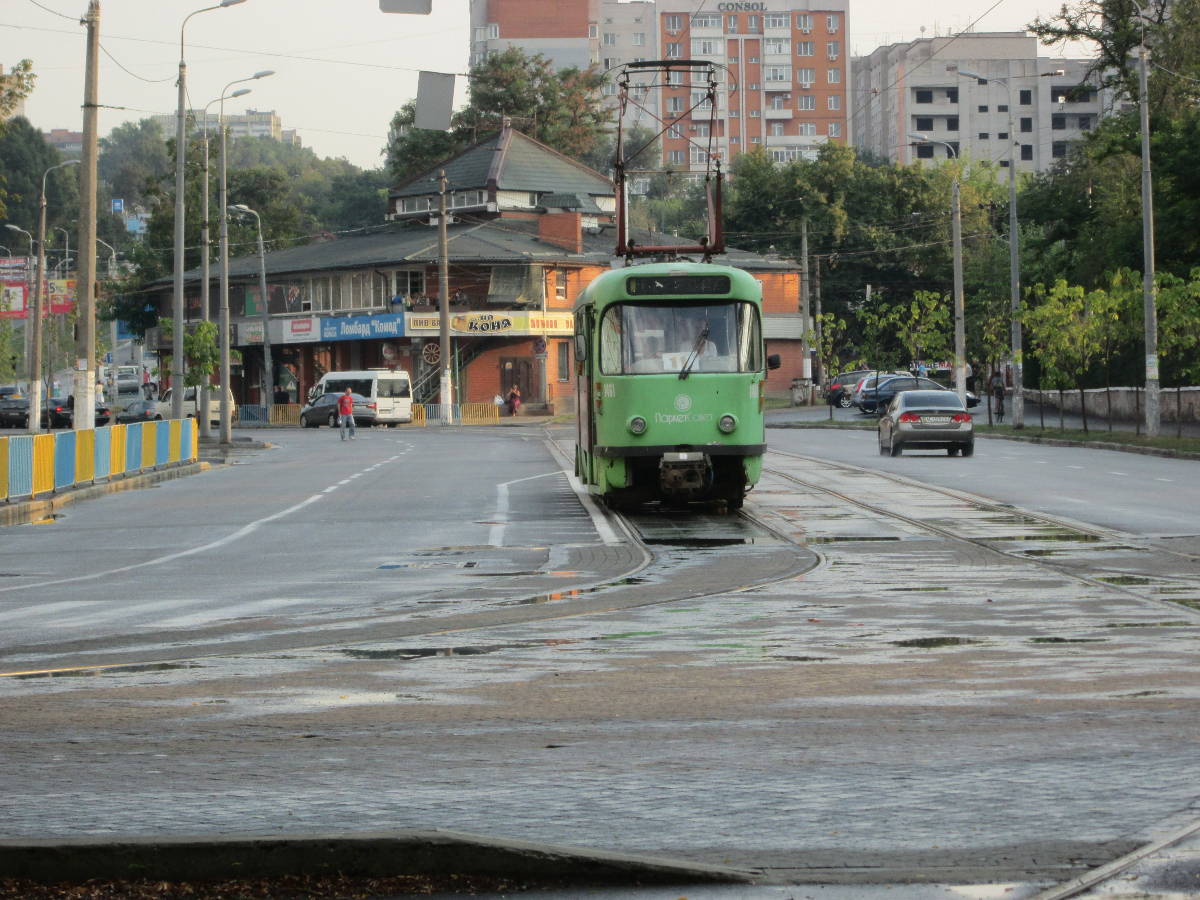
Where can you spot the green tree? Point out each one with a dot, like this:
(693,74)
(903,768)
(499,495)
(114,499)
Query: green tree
(922,326)
(14,87)
(1178,306)
(133,159)
(24,158)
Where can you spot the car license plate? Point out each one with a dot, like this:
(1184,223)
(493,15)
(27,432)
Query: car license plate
(935,420)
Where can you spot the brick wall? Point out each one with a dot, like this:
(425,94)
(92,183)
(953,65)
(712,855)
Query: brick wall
(563,229)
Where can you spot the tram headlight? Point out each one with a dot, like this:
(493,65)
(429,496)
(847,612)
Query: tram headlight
(637,425)
(727,424)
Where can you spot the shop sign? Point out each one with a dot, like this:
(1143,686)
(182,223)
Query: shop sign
(249,333)
(299,331)
(354,328)
(517,323)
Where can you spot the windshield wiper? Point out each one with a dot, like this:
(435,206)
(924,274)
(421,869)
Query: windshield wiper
(701,338)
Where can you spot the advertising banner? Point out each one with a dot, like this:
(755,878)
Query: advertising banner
(296,331)
(285,298)
(12,299)
(249,333)
(516,323)
(354,328)
(61,295)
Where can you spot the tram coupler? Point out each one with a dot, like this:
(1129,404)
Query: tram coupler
(685,474)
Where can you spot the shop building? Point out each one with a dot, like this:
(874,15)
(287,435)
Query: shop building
(529,229)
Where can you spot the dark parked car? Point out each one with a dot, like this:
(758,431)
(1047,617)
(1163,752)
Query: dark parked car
(9,390)
(57,413)
(323,411)
(870,399)
(139,411)
(14,411)
(840,390)
(931,420)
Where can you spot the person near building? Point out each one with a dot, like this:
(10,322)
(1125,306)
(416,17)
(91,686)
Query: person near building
(514,400)
(996,389)
(346,413)
(281,396)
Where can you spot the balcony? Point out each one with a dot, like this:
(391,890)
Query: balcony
(781,113)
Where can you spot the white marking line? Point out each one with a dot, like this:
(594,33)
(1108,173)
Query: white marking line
(1164,479)
(599,521)
(1074,467)
(496,532)
(1122,474)
(212,545)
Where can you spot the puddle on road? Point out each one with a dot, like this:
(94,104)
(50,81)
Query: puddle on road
(1172,624)
(704,543)
(1063,640)
(1074,536)
(1125,579)
(921,590)
(935,642)
(93,671)
(844,538)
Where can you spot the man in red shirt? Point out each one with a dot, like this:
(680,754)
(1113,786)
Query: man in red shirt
(346,413)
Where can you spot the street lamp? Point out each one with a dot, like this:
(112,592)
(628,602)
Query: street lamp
(1149,311)
(112,333)
(223,199)
(204,417)
(268,381)
(35,339)
(960,333)
(66,250)
(1014,252)
(180,158)
(28,290)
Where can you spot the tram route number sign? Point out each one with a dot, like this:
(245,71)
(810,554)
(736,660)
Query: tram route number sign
(675,285)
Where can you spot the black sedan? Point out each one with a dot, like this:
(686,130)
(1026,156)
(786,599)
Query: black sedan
(57,413)
(874,398)
(14,412)
(139,411)
(324,411)
(931,420)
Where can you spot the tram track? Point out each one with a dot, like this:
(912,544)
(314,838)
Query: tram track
(1063,530)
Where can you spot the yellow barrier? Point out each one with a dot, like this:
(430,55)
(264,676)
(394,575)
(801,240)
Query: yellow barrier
(195,442)
(3,468)
(43,463)
(418,414)
(149,444)
(480,414)
(173,441)
(116,451)
(85,456)
(285,414)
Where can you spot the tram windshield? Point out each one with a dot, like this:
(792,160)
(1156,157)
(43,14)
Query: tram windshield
(683,337)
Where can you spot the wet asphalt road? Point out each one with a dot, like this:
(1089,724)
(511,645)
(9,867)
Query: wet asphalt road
(995,699)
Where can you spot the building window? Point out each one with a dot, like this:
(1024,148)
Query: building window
(674,51)
(756,140)
(593,31)
(1027,151)
(674,76)
(731,59)
(564,360)
(1058,149)
(755,114)
(675,105)
(777,45)
(610,39)
(806,77)
(924,96)
(704,47)
(1002,135)
(1058,123)
(806,48)
(752,25)
(673,24)
(776,129)
(752,60)
(832,23)
(1004,163)
(735,140)
(639,39)
(835,129)
(924,123)
(776,20)
(1085,123)
(952,95)
(807,129)
(779,101)
(754,85)
(708,20)
(560,284)
(834,102)
(674,131)
(731,25)
(983,108)
(954,147)
(701,100)
(832,49)
(806,101)
(778,73)
(924,151)
(608,89)
(983,136)
(834,76)
(1003,107)
(677,157)
(952,123)
(733,114)
(804,22)
(1026,98)
(493,31)
(701,129)
(1026,125)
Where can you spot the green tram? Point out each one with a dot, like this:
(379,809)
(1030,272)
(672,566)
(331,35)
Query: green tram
(671,377)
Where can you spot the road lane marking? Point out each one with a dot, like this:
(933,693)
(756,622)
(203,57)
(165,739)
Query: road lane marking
(1122,474)
(1074,467)
(1165,479)
(496,532)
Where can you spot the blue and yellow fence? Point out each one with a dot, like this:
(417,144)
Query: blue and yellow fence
(36,464)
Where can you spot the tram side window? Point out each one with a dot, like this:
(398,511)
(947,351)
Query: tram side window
(610,342)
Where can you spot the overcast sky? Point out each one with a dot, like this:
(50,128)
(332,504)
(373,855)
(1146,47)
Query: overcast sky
(342,67)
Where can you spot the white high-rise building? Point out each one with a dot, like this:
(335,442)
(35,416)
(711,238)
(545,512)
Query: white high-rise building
(1031,107)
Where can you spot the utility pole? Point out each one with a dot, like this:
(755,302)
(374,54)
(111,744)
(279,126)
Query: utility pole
(85,284)
(447,397)
(819,369)
(960,333)
(1149,313)
(805,307)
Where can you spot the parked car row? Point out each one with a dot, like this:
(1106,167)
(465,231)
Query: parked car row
(57,412)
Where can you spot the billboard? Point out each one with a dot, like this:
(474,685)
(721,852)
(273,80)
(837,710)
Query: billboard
(58,299)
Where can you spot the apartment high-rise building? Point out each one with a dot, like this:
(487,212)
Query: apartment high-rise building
(784,87)
(251,123)
(566,32)
(1034,107)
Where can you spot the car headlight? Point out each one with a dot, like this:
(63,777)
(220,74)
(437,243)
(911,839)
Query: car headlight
(637,425)
(727,424)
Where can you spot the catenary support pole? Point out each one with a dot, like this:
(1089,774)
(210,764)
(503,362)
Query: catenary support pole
(1149,312)
(447,394)
(84,415)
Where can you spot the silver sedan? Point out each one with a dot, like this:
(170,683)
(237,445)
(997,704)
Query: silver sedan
(929,420)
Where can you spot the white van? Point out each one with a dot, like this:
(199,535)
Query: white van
(189,404)
(389,389)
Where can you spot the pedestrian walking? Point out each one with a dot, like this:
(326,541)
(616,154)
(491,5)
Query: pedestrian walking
(514,400)
(346,413)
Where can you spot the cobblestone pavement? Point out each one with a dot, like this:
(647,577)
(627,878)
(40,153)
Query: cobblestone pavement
(918,705)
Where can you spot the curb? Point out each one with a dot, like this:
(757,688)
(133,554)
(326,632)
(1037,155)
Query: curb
(23,512)
(379,854)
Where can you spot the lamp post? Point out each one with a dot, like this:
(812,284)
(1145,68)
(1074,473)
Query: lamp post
(180,158)
(268,382)
(1149,311)
(66,263)
(1014,252)
(223,200)
(204,416)
(112,333)
(28,293)
(960,332)
(35,340)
